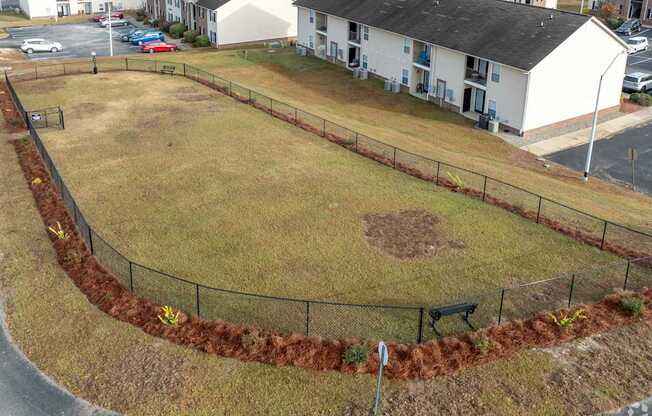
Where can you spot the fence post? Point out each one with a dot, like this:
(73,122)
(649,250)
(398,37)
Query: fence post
(90,238)
(604,233)
(500,309)
(437,176)
(131,277)
(126,64)
(249,96)
(296,116)
(627,274)
(230,87)
(307,318)
(323,129)
(184,69)
(420,334)
(484,188)
(36,71)
(61,119)
(539,209)
(570,294)
(64,69)
(394,158)
(271,106)
(197,299)
(356,142)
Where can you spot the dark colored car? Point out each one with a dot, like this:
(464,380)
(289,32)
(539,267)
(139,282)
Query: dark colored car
(126,37)
(629,27)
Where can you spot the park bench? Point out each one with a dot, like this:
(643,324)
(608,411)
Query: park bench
(463,309)
(168,69)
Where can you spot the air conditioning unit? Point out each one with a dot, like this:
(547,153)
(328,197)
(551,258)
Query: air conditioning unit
(388,85)
(494,125)
(301,51)
(396,87)
(364,74)
(356,73)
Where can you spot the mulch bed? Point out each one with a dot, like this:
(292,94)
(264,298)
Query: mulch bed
(13,119)
(248,343)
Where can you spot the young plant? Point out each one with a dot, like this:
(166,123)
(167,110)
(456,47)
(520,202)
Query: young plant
(37,181)
(566,320)
(632,306)
(459,183)
(58,231)
(484,345)
(169,318)
(356,354)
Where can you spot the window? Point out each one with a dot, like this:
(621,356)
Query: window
(406,45)
(366,33)
(312,16)
(340,54)
(492,109)
(405,77)
(213,37)
(649,14)
(176,3)
(311,42)
(170,17)
(441,88)
(449,96)
(364,61)
(212,16)
(495,72)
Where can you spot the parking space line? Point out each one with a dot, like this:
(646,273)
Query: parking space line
(641,61)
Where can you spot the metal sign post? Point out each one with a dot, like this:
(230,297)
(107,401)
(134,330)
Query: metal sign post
(633,157)
(383,356)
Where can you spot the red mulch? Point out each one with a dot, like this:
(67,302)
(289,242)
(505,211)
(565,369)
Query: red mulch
(412,361)
(628,106)
(14,121)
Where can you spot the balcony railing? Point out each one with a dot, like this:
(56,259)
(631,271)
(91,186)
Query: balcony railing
(354,36)
(475,76)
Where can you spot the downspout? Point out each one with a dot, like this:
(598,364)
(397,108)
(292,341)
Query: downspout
(527,95)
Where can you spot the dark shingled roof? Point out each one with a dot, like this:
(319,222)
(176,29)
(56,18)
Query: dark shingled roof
(212,4)
(498,30)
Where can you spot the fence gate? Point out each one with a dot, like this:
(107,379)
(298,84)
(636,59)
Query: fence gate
(46,118)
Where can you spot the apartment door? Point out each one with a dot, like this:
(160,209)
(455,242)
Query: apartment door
(479,101)
(466,104)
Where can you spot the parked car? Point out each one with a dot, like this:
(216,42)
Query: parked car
(40,45)
(115,15)
(637,44)
(638,82)
(630,26)
(148,37)
(114,23)
(126,37)
(152,47)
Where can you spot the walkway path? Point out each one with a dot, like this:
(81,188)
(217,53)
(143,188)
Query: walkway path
(25,391)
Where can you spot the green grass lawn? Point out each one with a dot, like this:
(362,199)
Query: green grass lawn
(330,91)
(186,180)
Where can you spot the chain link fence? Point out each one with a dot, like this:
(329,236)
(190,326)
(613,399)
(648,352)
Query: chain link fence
(342,320)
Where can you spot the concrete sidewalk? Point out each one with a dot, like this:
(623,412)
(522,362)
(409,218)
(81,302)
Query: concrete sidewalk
(25,391)
(580,137)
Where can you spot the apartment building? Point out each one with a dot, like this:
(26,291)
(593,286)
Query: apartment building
(230,22)
(51,8)
(629,9)
(530,68)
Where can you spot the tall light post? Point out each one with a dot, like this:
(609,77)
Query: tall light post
(594,127)
(110,6)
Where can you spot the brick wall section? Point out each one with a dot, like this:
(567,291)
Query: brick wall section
(571,124)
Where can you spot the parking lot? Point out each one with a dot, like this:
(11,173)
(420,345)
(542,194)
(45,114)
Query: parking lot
(78,40)
(641,61)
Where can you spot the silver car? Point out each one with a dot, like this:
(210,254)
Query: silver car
(40,45)
(114,22)
(638,82)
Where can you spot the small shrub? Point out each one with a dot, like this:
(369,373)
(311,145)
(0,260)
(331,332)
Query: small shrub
(202,41)
(177,29)
(642,99)
(614,22)
(632,306)
(37,181)
(565,320)
(140,15)
(58,231)
(189,36)
(484,345)
(146,21)
(169,318)
(165,27)
(459,183)
(356,354)
(154,23)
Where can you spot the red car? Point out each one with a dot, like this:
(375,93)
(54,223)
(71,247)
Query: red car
(114,15)
(152,47)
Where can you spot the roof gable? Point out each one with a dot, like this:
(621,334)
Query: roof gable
(509,33)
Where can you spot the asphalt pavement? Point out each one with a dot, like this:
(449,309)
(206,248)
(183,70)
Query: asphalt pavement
(641,61)
(610,160)
(78,40)
(25,391)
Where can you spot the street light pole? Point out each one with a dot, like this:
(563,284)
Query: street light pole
(110,31)
(594,126)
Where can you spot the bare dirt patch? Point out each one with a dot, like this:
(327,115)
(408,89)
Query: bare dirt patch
(406,234)
(193,97)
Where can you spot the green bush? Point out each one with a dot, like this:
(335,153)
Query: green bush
(634,97)
(642,99)
(177,29)
(356,354)
(614,22)
(140,15)
(146,21)
(189,36)
(202,41)
(154,23)
(632,306)
(165,27)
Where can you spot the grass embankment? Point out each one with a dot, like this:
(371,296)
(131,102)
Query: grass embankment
(330,91)
(207,188)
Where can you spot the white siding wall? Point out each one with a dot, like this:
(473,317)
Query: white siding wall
(564,85)
(39,8)
(305,29)
(253,20)
(385,55)
(338,31)
(509,95)
(449,66)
